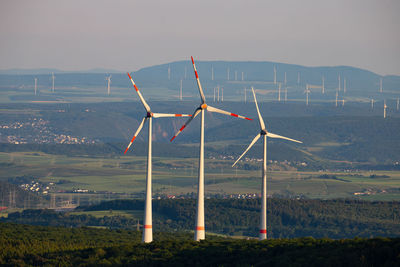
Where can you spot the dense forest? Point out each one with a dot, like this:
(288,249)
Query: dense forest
(23,245)
(286,218)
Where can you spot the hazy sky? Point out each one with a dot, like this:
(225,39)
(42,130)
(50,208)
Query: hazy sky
(129,35)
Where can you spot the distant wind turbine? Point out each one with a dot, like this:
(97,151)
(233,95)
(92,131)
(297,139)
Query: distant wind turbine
(264,133)
(279,92)
(307,91)
(108,79)
(35,86)
(200,225)
(384,109)
(52,82)
(147,222)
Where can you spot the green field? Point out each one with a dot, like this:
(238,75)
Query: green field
(179,176)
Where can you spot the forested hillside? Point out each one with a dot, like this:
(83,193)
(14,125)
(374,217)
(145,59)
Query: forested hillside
(22,245)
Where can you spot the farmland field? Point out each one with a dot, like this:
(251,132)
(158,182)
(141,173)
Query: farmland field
(178,176)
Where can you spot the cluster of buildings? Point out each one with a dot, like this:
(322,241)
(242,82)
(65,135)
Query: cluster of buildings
(38,131)
(37,187)
(369,191)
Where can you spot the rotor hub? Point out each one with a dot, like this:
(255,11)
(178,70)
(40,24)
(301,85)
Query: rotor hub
(263,132)
(149,114)
(203,106)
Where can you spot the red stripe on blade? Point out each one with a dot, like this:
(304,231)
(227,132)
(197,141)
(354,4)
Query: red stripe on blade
(178,115)
(192,60)
(133,138)
(135,87)
(263,231)
(197,76)
(249,119)
(129,75)
(172,138)
(234,115)
(200,228)
(183,127)
(126,150)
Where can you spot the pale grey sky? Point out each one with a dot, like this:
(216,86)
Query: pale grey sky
(129,35)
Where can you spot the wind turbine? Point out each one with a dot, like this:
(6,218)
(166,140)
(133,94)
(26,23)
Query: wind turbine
(307,91)
(264,133)
(384,109)
(108,79)
(35,85)
(147,222)
(199,232)
(279,92)
(52,84)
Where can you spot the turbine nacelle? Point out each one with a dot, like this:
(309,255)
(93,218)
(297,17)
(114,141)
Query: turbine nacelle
(204,106)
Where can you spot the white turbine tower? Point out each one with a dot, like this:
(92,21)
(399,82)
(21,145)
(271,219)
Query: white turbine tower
(52,82)
(285,94)
(199,232)
(384,109)
(323,85)
(147,222)
(372,103)
(180,91)
(279,92)
(35,86)
(397,105)
(337,94)
(108,79)
(274,75)
(381,85)
(265,134)
(307,91)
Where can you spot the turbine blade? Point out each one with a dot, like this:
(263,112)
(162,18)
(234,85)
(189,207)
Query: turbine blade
(203,99)
(282,137)
(212,109)
(251,144)
(260,119)
(163,115)
(197,111)
(146,106)
(136,134)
